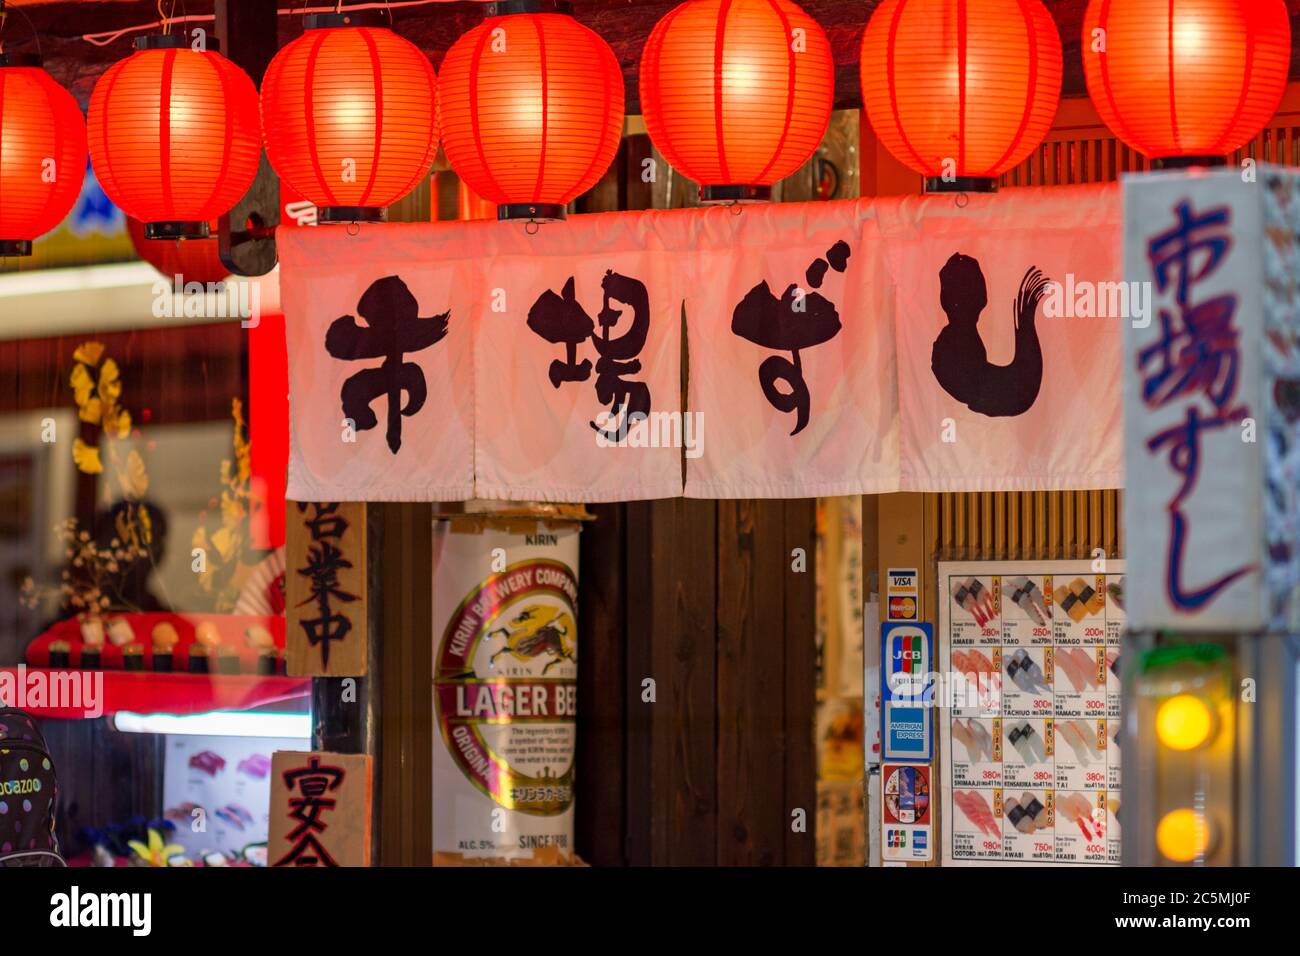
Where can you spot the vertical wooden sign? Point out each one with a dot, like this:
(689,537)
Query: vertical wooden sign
(325,589)
(320,809)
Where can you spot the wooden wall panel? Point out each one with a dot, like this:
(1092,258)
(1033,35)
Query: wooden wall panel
(683,806)
(638,638)
(751,682)
(700,597)
(606,694)
(404,762)
(798,642)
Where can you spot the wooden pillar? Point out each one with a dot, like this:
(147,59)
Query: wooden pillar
(390,715)
(249,33)
(402,595)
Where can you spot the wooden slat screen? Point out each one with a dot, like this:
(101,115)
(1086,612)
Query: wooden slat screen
(1036,525)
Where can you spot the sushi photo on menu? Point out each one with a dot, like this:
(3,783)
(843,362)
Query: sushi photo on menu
(1081,680)
(1082,820)
(1081,750)
(975,609)
(977,754)
(1026,610)
(1029,822)
(977,676)
(1080,609)
(1027,681)
(977,824)
(1027,752)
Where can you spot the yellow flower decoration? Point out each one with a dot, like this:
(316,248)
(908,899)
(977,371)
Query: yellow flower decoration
(225,545)
(97,397)
(157,852)
(132,476)
(87,458)
(89,353)
(83,385)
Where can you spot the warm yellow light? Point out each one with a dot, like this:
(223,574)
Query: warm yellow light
(1183,835)
(1184,722)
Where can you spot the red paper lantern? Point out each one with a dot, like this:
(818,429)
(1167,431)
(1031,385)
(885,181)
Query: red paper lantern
(531,107)
(173,135)
(348,115)
(1186,78)
(194,261)
(42,153)
(737,93)
(961,90)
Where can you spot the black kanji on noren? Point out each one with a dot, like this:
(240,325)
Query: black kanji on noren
(797,320)
(561,319)
(393,328)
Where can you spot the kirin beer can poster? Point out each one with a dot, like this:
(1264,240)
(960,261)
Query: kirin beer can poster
(505,691)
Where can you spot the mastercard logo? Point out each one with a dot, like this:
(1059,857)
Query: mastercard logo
(902,608)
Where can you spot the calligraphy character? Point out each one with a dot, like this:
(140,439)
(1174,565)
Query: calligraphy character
(393,328)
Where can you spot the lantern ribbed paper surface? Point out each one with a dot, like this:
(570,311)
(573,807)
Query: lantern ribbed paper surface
(966,88)
(1186,77)
(348,114)
(42,155)
(737,92)
(174,135)
(531,108)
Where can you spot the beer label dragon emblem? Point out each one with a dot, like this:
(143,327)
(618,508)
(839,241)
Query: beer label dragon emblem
(505,689)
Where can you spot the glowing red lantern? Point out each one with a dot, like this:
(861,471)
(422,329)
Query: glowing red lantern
(348,116)
(194,261)
(531,107)
(737,93)
(1186,78)
(961,90)
(173,135)
(42,153)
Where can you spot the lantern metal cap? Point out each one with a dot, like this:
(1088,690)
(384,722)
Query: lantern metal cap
(505,8)
(533,211)
(719,195)
(350,214)
(19,59)
(961,184)
(175,41)
(355,18)
(1188,162)
(176,229)
(15,247)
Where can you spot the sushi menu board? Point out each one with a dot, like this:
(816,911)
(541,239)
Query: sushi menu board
(1028,656)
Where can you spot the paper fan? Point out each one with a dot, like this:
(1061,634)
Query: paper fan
(263,592)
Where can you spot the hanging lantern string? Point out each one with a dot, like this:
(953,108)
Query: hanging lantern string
(167,19)
(4,19)
(109,36)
